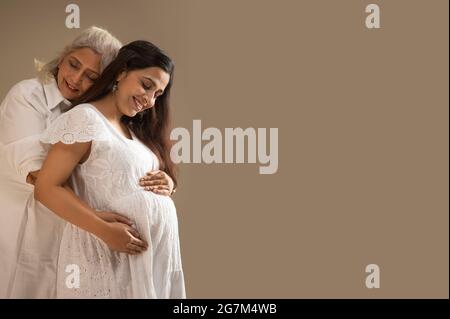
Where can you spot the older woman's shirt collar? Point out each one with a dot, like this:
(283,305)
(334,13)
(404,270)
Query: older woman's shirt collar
(54,97)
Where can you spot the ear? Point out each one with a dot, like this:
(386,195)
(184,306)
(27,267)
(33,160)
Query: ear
(121,75)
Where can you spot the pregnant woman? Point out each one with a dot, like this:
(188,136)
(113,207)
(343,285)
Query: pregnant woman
(118,131)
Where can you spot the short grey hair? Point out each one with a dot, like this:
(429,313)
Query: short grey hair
(97,39)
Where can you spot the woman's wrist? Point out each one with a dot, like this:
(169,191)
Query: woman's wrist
(101,228)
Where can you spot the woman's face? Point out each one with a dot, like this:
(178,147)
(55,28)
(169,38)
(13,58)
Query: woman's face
(77,72)
(138,90)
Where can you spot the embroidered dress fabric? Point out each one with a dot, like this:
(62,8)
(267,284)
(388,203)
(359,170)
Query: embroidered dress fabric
(108,181)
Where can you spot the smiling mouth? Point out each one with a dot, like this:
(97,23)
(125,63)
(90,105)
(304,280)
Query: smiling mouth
(71,87)
(138,105)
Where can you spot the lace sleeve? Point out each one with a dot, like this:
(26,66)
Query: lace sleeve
(80,124)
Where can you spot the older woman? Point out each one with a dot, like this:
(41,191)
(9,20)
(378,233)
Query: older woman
(29,232)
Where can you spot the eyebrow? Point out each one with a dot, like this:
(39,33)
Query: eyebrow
(79,62)
(153,82)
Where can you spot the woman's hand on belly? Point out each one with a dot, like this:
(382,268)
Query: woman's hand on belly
(122,237)
(111,217)
(158,182)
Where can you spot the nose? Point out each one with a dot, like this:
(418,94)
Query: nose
(77,77)
(150,102)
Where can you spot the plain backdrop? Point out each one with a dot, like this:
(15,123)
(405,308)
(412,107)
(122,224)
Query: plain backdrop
(363,136)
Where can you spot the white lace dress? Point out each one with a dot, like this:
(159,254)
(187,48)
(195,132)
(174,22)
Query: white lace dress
(109,181)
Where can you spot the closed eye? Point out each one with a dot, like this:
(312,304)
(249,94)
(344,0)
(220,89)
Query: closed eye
(73,65)
(146,86)
(92,78)
(148,83)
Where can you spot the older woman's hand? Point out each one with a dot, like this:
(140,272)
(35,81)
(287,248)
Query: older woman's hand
(32,176)
(158,182)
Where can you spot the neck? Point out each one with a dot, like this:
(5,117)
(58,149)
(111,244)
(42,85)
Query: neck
(108,107)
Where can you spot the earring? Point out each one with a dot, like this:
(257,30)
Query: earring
(114,88)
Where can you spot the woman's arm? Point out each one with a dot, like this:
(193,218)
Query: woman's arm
(21,122)
(50,191)
(106,216)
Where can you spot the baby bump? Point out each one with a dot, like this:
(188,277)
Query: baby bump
(153,215)
(106,273)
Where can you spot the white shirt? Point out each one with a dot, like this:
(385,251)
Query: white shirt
(26,226)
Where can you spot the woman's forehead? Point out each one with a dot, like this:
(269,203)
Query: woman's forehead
(88,58)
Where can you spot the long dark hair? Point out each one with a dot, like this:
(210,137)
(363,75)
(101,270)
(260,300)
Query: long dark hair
(151,126)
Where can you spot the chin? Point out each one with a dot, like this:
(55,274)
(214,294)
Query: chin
(130,113)
(69,96)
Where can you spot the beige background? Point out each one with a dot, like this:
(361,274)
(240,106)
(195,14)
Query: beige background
(363,136)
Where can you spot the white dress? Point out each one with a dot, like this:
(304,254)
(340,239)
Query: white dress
(109,181)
